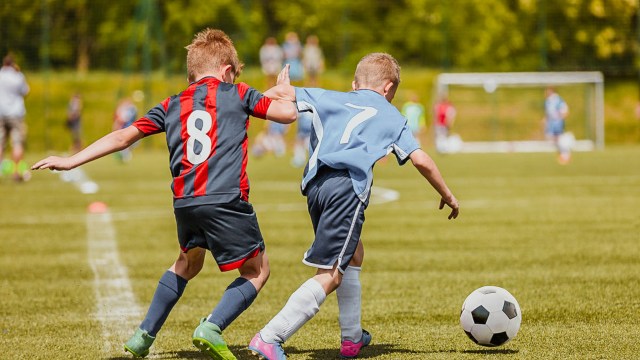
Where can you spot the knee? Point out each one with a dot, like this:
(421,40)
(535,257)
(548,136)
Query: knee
(330,281)
(187,269)
(258,275)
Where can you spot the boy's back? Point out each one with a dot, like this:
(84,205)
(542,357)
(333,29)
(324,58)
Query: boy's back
(206,131)
(352,131)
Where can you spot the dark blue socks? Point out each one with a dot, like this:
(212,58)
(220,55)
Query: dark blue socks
(236,299)
(169,290)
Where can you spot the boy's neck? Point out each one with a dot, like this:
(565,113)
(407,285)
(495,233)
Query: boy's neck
(200,77)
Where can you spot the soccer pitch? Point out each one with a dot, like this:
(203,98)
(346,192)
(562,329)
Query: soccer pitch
(564,240)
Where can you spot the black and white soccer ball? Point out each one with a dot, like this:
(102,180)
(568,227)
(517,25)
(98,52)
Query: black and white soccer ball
(490,316)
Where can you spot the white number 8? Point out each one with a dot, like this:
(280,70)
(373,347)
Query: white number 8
(199,135)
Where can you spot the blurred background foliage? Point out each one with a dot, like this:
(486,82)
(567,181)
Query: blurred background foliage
(109,49)
(478,35)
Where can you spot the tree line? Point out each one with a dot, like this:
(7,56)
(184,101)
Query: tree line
(464,35)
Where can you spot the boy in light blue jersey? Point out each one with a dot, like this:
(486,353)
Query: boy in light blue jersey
(350,132)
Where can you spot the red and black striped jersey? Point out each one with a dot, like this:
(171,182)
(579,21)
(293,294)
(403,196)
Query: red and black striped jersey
(206,131)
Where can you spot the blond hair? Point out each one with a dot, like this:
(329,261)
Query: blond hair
(209,50)
(377,68)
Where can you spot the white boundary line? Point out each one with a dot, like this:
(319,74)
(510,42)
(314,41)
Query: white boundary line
(116,306)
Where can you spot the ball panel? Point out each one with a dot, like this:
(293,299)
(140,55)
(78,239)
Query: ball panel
(509,309)
(466,320)
(482,333)
(493,302)
(499,338)
(480,315)
(498,322)
(514,326)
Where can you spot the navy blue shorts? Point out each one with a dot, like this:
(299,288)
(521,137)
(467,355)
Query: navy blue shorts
(230,231)
(337,215)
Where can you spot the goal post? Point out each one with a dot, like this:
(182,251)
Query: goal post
(503,112)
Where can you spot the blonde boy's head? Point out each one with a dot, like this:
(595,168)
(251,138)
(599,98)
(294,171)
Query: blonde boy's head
(210,50)
(377,69)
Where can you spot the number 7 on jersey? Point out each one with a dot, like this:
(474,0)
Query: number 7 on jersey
(367,113)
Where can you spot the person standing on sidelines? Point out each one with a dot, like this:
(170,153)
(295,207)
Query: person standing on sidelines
(444,116)
(303,136)
(413,110)
(292,53)
(13,89)
(556,111)
(73,123)
(125,114)
(350,133)
(312,60)
(206,134)
(271,58)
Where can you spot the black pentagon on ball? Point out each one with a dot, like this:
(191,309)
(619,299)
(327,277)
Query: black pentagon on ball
(509,309)
(499,339)
(470,335)
(480,315)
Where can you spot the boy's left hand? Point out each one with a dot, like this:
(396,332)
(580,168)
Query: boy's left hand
(53,163)
(453,204)
(283,76)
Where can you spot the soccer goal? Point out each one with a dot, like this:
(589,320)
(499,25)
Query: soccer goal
(503,112)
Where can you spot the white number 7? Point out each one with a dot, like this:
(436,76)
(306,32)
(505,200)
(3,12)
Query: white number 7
(364,115)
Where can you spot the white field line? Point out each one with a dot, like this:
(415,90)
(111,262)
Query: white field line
(116,306)
(80,180)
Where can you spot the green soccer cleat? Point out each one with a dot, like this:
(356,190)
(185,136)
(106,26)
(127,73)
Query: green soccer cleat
(139,344)
(7,167)
(208,338)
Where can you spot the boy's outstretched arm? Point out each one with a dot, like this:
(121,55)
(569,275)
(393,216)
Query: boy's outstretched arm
(427,167)
(110,143)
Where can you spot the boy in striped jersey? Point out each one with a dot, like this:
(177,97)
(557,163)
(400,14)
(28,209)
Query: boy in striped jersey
(206,133)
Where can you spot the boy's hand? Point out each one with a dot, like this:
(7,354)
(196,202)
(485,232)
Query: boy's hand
(453,204)
(283,76)
(53,163)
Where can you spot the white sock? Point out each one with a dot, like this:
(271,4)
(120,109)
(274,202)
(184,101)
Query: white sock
(349,304)
(302,305)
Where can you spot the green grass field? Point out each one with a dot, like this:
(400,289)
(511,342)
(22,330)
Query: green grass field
(564,240)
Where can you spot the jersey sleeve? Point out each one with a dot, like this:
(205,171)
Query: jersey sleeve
(405,145)
(153,122)
(307,97)
(253,101)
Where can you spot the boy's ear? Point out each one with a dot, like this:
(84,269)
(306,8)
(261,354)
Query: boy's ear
(227,72)
(388,87)
(354,85)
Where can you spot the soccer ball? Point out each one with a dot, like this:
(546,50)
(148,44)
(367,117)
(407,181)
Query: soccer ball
(490,316)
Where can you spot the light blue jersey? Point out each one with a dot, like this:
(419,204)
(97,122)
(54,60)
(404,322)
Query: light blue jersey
(352,131)
(555,111)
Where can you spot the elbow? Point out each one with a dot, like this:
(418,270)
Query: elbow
(421,160)
(288,115)
(120,140)
(292,116)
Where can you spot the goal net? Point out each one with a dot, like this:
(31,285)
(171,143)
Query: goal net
(504,112)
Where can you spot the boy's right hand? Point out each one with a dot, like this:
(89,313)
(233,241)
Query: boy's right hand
(53,163)
(453,204)
(283,76)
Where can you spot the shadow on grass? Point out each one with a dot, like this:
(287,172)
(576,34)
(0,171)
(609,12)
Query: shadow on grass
(491,351)
(370,352)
